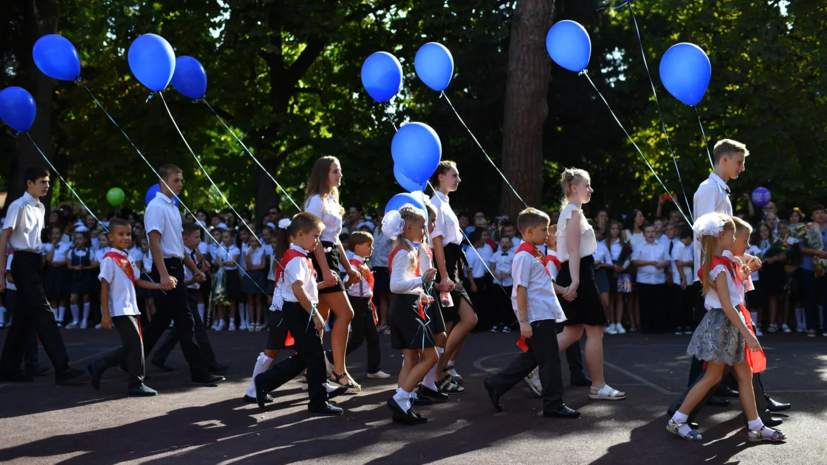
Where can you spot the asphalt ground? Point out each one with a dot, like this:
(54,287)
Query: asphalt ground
(74,424)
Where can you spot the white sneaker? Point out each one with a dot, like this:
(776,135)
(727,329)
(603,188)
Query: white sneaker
(232,326)
(758,331)
(83,324)
(221,325)
(611,329)
(495,329)
(619,329)
(379,375)
(786,328)
(243,326)
(258,327)
(800,329)
(688,331)
(678,331)
(72,325)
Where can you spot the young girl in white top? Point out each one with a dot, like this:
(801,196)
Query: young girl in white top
(227,258)
(58,279)
(723,336)
(581,302)
(253,284)
(323,201)
(614,244)
(410,331)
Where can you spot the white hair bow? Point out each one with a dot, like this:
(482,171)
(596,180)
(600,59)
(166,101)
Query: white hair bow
(284,223)
(393,225)
(711,224)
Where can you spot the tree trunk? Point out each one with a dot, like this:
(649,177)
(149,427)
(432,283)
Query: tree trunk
(526,108)
(40,19)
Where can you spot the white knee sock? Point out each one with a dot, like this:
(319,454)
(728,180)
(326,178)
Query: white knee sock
(403,399)
(754,316)
(428,382)
(262,364)
(61,314)
(242,314)
(799,317)
(2,314)
(86,307)
(201,311)
(451,369)
(75,313)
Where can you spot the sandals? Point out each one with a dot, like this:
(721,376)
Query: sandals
(456,378)
(350,384)
(448,386)
(692,435)
(606,393)
(758,436)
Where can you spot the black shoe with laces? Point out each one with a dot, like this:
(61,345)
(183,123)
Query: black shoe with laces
(327,410)
(68,375)
(207,380)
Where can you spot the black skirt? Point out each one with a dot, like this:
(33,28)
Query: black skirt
(454,259)
(232,283)
(253,282)
(408,330)
(82,282)
(53,282)
(434,313)
(773,278)
(587,308)
(757,298)
(381,280)
(277,331)
(141,292)
(333,259)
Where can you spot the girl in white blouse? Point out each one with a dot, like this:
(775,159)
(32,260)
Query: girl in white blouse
(323,201)
(581,302)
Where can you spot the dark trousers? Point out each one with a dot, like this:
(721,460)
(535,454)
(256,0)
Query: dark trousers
(685,305)
(363,328)
(172,306)
(482,300)
(573,356)
(131,352)
(654,316)
(30,359)
(309,355)
(200,331)
(542,351)
(813,291)
(34,310)
(503,308)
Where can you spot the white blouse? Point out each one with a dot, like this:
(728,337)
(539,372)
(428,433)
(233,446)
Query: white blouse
(403,273)
(330,213)
(634,238)
(588,242)
(447,224)
(711,299)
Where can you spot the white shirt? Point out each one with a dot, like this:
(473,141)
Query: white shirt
(501,263)
(634,238)
(242,257)
(663,240)
(61,251)
(588,242)
(146,261)
(602,254)
(362,288)
(329,212)
(515,242)
(552,268)
(187,272)
(528,272)
(382,247)
(403,272)
(687,255)
(256,256)
(163,216)
(712,196)
(228,255)
(477,264)
(122,299)
(677,254)
(9,285)
(203,248)
(271,275)
(135,254)
(711,299)
(649,274)
(299,270)
(25,218)
(753,250)
(100,253)
(447,224)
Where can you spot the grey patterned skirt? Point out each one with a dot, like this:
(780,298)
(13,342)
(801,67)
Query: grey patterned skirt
(717,340)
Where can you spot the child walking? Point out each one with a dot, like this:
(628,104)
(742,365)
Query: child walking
(723,337)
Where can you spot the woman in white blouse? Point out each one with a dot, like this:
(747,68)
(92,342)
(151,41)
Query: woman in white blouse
(323,201)
(581,302)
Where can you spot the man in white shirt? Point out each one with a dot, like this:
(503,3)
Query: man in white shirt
(651,260)
(21,232)
(163,225)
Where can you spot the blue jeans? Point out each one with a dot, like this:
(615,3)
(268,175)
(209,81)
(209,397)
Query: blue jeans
(813,291)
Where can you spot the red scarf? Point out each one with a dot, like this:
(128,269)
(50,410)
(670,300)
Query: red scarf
(367,276)
(285,259)
(530,248)
(416,272)
(555,260)
(123,263)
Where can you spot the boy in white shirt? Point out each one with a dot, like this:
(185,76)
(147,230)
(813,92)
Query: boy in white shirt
(501,262)
(300,294)
(538,311)
(651,260)
(120,307)
(682,261)
(480,282)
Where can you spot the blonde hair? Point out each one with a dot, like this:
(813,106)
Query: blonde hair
(319,182)
(741,225)
(531,218)
(570,177)
(727,147)
(409,213)
(708,245)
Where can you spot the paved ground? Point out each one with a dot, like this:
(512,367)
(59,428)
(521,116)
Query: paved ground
(42,423)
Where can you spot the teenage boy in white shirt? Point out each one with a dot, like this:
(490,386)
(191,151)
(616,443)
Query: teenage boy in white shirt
(651,260)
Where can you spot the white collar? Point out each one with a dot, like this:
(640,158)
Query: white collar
(189,250)
(442,197)
(358,258)
(720,181)
(119,251)
(163,196)
(29,198)
(655,242)
(297,248)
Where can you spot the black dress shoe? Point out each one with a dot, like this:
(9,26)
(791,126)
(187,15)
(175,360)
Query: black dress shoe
(493,395)
(36,370)
(261,393)
(337,392)
(410,417)
(16,378)
(435,396)
(141,390)
(422,400)
(96,374)
(217,367)
(326,410)
(208,380)
(68,375)
(717,402)
(775,406)
(581,380)
(725,391)
(162,365)
(770,421)
(562,412)
(252,400)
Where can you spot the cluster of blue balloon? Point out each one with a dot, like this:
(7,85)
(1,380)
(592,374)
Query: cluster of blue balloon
(416,148)
(685,70)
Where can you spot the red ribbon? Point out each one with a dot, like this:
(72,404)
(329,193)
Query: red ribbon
(285,260)
(367,276)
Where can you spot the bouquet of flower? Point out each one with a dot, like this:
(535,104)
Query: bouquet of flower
(624,280)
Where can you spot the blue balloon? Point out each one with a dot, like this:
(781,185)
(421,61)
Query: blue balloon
(569,45)
(403,181)
(761,197)
(150,194)
(400,200)
(685,72)
(416,151)
(189,79)
(152,61)
(56,57)
(17,108)
(434,66)
(382,76)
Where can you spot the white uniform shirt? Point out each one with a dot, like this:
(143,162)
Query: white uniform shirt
(588,242)
(329,212)
(163,216)
(122,301)
(711,299)
(515,243)
(100,253)
(9,285)
(528,272)
(242,257)
(447,224)
(649,274)
(602,254)
(501,263)
(634,238)
(712,196)
(271,275)
(403,272)
(382,247)
(362,288)
(753,250)
(61,251)
(187,273)
(476,264)
(552,268)
(146,261)
(256,256)
(135,254)
(25,218)
(677,254)
(228,255)
(687,255)
(299,270)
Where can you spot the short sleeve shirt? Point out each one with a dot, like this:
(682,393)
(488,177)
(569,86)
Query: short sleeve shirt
(122,296)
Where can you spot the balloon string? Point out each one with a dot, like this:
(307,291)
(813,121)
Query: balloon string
(252,156)
(615,7)
(161,180)
(660,113)
(442,94)
(677,204)
(88,210)
(388,114)
(703,134)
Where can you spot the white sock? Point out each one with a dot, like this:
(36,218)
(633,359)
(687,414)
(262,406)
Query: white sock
(451,369)
(242,313)
(755,322)
(86,308)
(799,317)
(262,364)
(75,313)
(756,425)
(201,311)
(403,399)
(2,314)
(61,314)
(679,417)
(428,382)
